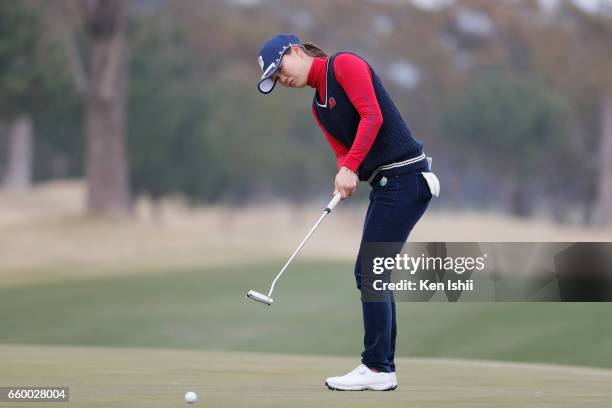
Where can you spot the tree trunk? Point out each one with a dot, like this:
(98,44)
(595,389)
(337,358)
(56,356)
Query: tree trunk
(106,161)
(20,150)
(604,199)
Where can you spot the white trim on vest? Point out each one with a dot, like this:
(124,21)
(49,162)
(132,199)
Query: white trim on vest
(396,164)
(326,83)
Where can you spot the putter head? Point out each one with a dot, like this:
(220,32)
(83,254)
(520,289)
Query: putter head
(258,297)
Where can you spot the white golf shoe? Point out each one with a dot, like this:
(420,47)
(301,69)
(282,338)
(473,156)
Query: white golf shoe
(362,378)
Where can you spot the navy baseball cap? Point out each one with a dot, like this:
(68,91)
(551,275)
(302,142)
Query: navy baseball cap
(270,56)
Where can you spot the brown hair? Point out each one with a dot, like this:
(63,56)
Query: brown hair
(314,50)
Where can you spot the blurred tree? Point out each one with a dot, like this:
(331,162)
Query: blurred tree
(604,199)
(572,52)
(167,109)
(37,96)
(199,106)
(20,151)
(59,120)
(20,30)
(509,126)
(103,82)
(258,146)
(531,41)
(595,32)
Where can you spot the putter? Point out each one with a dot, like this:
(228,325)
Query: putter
(267,299)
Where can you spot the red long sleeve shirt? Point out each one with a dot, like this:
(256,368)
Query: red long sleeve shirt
(354,75)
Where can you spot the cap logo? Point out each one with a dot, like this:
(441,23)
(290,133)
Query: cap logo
(261,63)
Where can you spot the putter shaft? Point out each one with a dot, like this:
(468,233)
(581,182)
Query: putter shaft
(259,297)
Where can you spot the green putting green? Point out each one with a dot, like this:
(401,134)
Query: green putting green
(148,378)
(316,311)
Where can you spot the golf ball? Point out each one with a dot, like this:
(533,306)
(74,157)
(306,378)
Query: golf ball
(191,397)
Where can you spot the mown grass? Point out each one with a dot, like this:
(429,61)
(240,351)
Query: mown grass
(118,377)
(316,311)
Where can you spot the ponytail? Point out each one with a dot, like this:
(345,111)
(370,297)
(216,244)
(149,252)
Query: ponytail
(314,50)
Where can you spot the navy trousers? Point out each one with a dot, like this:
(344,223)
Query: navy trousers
(397,202)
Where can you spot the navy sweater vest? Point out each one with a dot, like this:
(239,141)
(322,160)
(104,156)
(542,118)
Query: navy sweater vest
(394,141)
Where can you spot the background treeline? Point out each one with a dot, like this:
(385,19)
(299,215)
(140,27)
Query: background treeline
(512,99)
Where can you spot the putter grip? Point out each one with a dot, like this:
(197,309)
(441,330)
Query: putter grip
(333,202)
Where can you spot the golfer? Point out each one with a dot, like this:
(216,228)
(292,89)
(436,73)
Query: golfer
(373,144)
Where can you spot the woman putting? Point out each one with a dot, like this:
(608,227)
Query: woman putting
(373,144)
